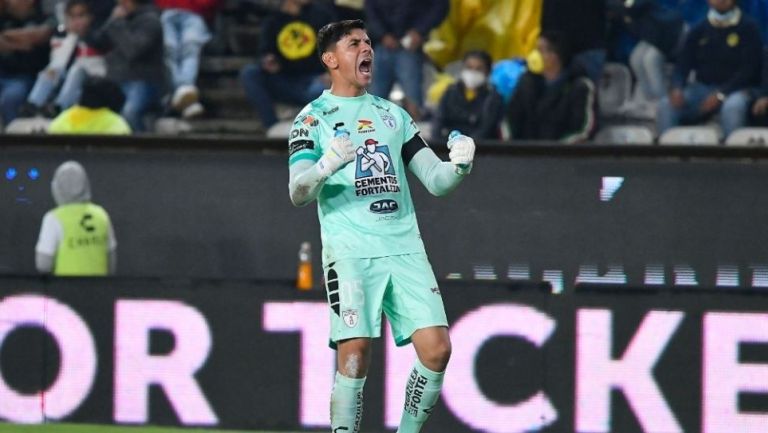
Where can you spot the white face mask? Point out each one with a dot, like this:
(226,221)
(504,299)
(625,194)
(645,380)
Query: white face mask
(472,79)
(729,18)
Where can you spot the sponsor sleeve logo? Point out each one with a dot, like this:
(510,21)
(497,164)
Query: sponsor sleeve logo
(299,133)
(300,145)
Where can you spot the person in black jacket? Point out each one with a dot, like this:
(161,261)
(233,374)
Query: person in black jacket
(133,40)
(471,106)
(760,106)
(24,34)
(724,51)
(583,24)
(559,103)
(398,29)
(659,31)
(287,69)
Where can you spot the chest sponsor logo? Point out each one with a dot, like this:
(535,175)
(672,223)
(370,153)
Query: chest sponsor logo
(384,206)
(374,171)
(365,126)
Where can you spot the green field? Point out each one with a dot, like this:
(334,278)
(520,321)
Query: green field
(91,428)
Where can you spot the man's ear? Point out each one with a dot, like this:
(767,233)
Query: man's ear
(330,60)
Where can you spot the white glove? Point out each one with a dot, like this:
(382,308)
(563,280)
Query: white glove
(462,152)
(340,152)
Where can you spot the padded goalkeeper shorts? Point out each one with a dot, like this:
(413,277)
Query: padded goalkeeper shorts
(403,287)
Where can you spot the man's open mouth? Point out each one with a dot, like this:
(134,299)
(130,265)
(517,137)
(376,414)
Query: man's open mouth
(365,66)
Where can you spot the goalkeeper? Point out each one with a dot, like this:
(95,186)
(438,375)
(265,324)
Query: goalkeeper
(349,151)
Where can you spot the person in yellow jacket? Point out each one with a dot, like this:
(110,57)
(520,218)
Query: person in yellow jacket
(76,238)
(95,113)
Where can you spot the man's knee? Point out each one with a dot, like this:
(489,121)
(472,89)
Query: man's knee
(436,356)
(354,357)
(736,101)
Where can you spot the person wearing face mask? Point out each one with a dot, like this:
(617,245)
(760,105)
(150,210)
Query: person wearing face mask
(552,101)
(471,105)
(724,53)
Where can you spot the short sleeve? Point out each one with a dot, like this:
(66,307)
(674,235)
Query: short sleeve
(51,234)
(410,129)
(303,140)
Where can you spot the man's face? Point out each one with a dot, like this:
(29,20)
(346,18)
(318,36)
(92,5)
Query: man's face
(20,8)
(78,20)
(548,56)
(722,6)
(352,58)
(128,5)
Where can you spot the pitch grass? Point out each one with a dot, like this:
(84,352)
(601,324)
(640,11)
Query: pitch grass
(91,428)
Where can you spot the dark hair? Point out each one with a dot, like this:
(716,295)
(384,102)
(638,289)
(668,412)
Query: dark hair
(72,3)
(333,32)
(482,55)
(99,92)
(559,44)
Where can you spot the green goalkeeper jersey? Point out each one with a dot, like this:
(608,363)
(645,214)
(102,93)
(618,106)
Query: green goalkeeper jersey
(365,209)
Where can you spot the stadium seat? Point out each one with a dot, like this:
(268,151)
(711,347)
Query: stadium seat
(625,134)
(280,129)
(614,88)
(695,135)
(748,137)
(28,125)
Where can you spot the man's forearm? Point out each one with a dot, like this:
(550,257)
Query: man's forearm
(305,183)
(439,177)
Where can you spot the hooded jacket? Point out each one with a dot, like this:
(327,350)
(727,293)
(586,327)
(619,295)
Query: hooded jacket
(76,238)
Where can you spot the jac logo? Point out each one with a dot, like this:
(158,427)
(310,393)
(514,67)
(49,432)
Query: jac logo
(384,206)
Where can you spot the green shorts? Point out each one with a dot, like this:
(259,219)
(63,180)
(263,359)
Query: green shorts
(402,287)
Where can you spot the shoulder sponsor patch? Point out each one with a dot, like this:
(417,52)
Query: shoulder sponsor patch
(299,133)
(300,145)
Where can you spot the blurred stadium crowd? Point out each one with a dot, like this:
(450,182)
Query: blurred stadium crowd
(613,71)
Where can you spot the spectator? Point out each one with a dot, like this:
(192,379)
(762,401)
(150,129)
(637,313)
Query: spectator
(133,40)
(287,69)
(583,23)
(76,238)
(760,107)
(24,34)
(659,31)
(185,32)
(88,61)
(399,29)
(471,106)
(96,113)
(349,9)
(559,103)
(724,52)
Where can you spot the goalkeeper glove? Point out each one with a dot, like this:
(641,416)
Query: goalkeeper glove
(340,152)
(462,152)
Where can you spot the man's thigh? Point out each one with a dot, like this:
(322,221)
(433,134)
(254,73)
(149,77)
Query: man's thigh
(413,300)
(355,289)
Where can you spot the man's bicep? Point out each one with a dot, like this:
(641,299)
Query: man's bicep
(303,144)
